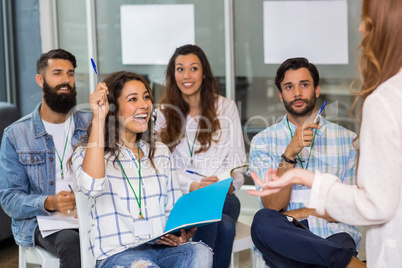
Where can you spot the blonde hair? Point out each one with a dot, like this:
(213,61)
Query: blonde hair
(379,53)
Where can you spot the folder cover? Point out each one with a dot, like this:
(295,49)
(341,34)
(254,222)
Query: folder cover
(197,208)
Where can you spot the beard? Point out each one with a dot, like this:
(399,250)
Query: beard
(59,103)
(310,106)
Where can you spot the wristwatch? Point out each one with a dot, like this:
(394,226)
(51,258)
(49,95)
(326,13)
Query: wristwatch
(290,161)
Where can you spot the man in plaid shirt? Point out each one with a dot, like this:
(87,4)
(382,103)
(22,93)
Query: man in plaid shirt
(297,141)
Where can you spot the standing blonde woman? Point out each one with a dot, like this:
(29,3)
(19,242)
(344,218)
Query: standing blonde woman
(376,201)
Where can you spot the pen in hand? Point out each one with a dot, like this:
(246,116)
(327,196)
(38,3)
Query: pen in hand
(96,72)
(71,188)
(195,173)
(316,119)
(99,78)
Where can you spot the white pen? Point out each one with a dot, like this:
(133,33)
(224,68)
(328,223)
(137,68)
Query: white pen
(319,113)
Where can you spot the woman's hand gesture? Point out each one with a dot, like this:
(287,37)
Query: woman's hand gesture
(98,101)
(274,184)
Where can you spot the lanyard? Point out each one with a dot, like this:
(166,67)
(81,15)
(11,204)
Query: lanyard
(139,183)
(191,150)
(64,151)
(311,149)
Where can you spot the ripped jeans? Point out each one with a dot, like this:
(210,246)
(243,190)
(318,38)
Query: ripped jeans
(190,254)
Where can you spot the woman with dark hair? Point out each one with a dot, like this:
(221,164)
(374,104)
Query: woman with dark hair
(202,129)
(131,181)
(376,200)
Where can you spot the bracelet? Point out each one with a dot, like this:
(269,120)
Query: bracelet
(290,161)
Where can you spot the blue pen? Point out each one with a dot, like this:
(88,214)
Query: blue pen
(71,188)
(195,173)
(319,113)
(96,72)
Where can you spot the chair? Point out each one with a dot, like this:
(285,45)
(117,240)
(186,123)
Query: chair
(241,242)
(258,260)
(84,221)
(47,259)
(44,257)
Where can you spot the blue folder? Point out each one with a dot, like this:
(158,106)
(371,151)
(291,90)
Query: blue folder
(197,208)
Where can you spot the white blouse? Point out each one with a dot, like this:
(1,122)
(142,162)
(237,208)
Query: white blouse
(227,153)
(376,201)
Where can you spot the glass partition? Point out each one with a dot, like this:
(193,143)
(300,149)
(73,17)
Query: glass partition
(209,35)
(256,92)
(72,35)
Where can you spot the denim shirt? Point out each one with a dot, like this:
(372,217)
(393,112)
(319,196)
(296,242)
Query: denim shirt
(27,168)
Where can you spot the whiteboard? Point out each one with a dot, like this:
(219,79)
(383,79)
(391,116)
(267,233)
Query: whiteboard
(151,33)
(316,30)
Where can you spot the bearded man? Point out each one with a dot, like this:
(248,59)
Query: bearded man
(286,232)
(35,185)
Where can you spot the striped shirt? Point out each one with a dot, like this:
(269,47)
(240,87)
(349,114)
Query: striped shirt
(113,205)
(332,153)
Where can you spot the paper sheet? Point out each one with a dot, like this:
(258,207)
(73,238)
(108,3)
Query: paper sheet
(51,224)
(300,196)
(317,30)
(151,33)
(224,175)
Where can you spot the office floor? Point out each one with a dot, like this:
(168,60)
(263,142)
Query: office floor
(9,256)
(9,253)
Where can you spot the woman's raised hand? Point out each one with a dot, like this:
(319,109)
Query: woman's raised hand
(98,101)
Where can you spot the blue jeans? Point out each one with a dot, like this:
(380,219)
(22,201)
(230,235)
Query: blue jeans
(282,244)
(190,254)
(65,244)
(220,235)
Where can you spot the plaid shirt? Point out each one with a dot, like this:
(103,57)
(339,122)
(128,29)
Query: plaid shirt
(332,153)
(113,206)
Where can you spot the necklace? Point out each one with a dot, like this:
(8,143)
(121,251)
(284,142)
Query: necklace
(138,199)
(191,150)
(311,149)
(64,151)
